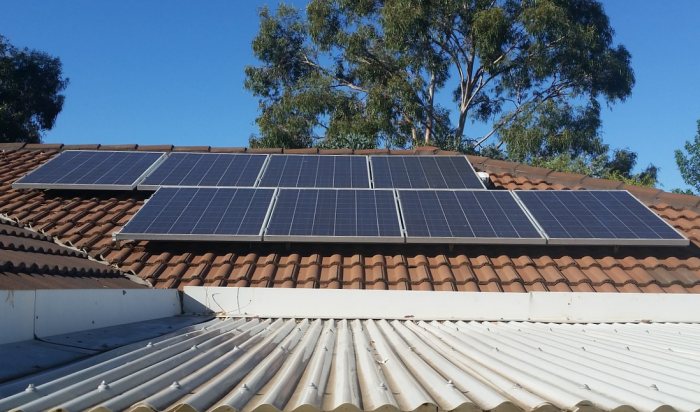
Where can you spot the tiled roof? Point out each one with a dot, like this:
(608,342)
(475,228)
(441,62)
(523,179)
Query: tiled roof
(30,260)
(86,220)
(401,365)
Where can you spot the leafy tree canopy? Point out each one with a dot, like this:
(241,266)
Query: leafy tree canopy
(536,71)
(615,165)
(689,163)
(30,93)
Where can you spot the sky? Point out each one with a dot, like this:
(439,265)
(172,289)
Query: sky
(172,72)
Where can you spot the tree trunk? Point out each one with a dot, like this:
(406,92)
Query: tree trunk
(459,132)
(429,121)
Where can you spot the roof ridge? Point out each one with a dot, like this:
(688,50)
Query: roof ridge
(67,251)
(500,168)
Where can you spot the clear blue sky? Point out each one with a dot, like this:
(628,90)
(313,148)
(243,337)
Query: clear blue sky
(152,72)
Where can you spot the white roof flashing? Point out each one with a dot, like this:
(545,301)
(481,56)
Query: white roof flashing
(560,307)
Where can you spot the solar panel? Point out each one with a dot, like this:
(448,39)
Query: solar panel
(91,169)
(191,213)
(465,216)
(206,169)
(334,215)
(316,171)
(424,172)
(605,217)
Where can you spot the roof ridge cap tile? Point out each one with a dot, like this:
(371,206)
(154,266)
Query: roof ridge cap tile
(56,247)
(81,147)
(196,149)
(566,179)
(43,146)
(12,146)
(155,148)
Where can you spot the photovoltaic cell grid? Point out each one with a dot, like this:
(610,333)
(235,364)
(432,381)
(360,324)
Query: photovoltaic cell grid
(465,216)
(334,215)
(73,169)
(597,217)
(316,171)
(206,169)
(201,214)
(424,172)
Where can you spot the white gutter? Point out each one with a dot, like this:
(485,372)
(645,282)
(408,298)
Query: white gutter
(564,307)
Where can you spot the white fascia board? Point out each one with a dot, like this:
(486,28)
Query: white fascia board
(560,307)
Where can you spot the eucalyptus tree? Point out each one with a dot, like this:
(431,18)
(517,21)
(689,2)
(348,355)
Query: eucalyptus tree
(31,83)
(401,72)
(689,162)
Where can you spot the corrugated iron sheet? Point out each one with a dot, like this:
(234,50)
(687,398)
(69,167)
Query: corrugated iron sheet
(349,365)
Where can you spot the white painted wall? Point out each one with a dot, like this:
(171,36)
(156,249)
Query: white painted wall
(381,304)
(16,315)
(24,314)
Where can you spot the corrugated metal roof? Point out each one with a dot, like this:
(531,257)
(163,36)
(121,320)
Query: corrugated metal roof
(346,365)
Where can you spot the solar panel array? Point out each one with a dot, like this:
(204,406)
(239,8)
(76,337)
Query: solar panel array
(609,217)
(414,199)
(334,215)
(201,214)
(465,216)
(206,169)
(316,171)
(91,169)
(424,172)
(149,171)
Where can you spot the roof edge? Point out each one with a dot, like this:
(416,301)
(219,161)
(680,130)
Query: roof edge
(556,307)
(492,166)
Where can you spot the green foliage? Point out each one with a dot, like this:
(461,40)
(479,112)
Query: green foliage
(689,162)
(616,166)
(348,141)
(683,191)
(30,87)
(537,71)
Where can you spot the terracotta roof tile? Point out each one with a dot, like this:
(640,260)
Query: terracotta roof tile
(81,147)
(336,151)
(88,219)
(119,147)
(191,149)
(311,150)
(31,260)
(229,150)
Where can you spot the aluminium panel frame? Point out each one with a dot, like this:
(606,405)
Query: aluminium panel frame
(153,188)
(369,176)
(86,186)
(471,167)
(336,239)
(472,240)
(203,237)
(578,241)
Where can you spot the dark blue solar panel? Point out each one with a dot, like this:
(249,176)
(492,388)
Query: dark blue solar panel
(465,216)
(316,171)
(201,214)
(206,169)
(424,172)
(597,217)
(334,215)
(75,169)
